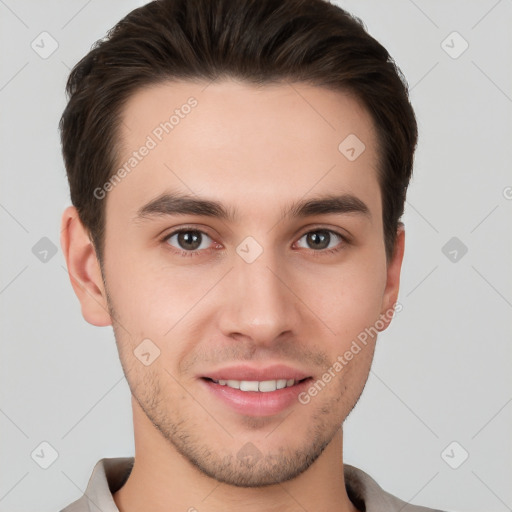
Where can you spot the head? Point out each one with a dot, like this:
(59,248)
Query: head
(278,136)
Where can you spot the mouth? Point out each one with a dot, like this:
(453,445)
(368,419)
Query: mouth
(262,386)
(256,392)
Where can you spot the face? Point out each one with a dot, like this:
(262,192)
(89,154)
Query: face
(267,285)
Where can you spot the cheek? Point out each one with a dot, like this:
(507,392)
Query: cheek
(348,298)
(148,294)
(151,298)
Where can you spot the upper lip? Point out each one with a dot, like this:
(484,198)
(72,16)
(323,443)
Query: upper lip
(251,373)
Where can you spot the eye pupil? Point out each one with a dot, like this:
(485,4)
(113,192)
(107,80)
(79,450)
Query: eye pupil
(318,239)
(189,239)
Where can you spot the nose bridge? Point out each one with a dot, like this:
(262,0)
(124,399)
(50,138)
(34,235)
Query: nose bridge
(259,304)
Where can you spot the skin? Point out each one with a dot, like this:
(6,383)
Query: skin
(256,150)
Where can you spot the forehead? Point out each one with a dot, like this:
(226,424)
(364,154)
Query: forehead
(249,146)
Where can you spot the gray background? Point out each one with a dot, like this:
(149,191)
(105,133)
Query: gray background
(441,372)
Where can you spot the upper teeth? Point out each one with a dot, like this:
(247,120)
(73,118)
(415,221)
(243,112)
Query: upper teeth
(255,385)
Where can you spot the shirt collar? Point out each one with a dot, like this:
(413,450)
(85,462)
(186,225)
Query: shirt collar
(110,474)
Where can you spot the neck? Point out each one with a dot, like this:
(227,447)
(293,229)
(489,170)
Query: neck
(162,480)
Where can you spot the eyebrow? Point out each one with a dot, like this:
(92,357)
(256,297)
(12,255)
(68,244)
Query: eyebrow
(168,204)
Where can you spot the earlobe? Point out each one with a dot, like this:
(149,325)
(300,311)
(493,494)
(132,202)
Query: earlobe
(84,269)
(394,267)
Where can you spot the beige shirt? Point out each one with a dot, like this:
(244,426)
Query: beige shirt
(110,474)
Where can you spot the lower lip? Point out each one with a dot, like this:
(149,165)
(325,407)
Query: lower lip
(257,403)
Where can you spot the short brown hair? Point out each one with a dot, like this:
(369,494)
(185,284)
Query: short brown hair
(258,41)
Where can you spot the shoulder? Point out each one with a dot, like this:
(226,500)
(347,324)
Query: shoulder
(108,475)
(368,495)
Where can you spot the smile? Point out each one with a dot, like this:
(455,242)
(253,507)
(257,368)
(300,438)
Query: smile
(264,386)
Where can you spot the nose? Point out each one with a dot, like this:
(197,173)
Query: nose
(258,303)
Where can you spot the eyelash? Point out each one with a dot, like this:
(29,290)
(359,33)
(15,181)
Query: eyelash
(188,254)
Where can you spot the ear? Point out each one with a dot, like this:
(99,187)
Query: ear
(84,269)
(394,267)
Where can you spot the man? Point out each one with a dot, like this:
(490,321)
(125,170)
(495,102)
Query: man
(238,171)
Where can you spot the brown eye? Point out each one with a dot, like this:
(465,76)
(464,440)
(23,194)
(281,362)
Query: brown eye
(189,240)
(321,239)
